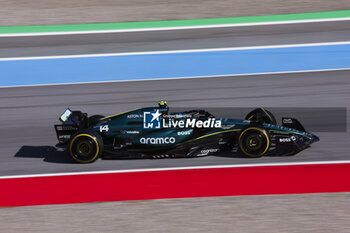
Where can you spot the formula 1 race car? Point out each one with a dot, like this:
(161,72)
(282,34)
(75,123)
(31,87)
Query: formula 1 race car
(153,132)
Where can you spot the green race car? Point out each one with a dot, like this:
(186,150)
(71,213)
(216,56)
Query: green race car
(153,132)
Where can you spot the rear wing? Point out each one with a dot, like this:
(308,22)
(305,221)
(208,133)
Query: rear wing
(72,122)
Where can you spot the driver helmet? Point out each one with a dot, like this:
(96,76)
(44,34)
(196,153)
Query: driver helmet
(162,104)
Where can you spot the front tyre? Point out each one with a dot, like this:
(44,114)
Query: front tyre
(86,146)
(254,142)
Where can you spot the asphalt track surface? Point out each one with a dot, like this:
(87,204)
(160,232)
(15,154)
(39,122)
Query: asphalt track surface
(175,39)
(29,113)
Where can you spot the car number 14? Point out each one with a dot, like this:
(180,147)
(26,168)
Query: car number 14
(104,128)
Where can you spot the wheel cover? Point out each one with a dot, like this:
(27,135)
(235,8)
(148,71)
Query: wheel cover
(254,142)
(84,148)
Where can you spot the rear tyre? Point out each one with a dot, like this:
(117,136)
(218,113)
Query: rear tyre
(261,115)
(254,142)
(86,146)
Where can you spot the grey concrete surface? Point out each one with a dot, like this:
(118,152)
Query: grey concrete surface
(174,40)
(38,12)
(29,113)
(307,213)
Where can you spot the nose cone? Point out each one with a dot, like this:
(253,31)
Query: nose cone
(314,138)
(305,142)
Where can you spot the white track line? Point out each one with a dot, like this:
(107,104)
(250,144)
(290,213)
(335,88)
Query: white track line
(178,51)
(176,28)
(179,168)
(175,78)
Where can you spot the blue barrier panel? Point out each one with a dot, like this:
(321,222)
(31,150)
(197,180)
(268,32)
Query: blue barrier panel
(157,66)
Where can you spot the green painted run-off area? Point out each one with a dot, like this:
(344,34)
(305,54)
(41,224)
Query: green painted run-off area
(172,23)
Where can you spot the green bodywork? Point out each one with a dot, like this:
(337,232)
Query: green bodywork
(128,127)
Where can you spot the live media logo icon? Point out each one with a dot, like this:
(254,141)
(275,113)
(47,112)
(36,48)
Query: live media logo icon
(151,120)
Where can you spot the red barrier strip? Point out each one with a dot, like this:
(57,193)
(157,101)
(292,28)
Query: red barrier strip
(175,184)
